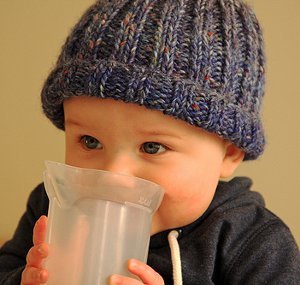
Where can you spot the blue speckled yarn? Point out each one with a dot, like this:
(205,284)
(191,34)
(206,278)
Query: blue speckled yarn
(201,61)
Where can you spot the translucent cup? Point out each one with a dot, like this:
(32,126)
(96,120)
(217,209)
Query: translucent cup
(97,220)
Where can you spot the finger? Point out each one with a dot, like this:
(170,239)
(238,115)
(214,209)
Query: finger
(32,275)
(39,231)
(122,280)
(37,254)
(144,272)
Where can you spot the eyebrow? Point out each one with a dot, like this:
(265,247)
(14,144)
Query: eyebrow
(159,133)
(150,132)
(71,121)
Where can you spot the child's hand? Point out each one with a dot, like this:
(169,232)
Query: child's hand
(34,273)
(141,270)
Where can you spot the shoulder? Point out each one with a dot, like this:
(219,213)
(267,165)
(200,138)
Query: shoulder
(252,243)
(267,253)
(38,202)
(255,245)
(15,250)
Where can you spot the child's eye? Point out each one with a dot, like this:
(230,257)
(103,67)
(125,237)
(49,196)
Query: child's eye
(90,142)
(153,148)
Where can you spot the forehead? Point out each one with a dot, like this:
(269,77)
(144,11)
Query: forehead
(96,112)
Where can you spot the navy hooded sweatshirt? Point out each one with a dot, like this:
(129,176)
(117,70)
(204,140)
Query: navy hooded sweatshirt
(236,241)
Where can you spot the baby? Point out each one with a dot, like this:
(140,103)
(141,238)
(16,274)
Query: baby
(168,91)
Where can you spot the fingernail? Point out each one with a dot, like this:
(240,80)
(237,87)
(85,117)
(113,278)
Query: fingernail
(133,264)
(41,218)
(114,280)
(41,251)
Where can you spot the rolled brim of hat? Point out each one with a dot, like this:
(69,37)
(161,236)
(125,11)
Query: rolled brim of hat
(181,98)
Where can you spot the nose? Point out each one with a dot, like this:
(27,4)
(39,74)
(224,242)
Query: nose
(121,163)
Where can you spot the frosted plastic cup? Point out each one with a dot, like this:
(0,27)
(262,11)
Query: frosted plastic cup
(97,220)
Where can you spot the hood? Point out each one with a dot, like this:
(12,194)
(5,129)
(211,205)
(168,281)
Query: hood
(233,193)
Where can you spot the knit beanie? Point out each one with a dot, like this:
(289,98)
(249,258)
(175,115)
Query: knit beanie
(201,61)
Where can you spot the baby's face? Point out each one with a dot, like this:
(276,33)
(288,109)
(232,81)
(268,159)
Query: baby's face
(126,138)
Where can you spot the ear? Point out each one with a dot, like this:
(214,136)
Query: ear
(232,158)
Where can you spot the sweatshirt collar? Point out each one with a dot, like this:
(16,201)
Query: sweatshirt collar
(225,191)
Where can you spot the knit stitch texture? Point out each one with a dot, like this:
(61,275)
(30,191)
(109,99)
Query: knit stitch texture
(201,61)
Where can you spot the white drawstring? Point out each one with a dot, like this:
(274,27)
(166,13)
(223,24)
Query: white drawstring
(175,256)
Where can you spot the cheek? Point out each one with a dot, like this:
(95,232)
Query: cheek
(71,151)
(189,180)
(189,190)
(68,151)
(75,155)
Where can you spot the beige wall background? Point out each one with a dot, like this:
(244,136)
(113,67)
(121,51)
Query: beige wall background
(31,33)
